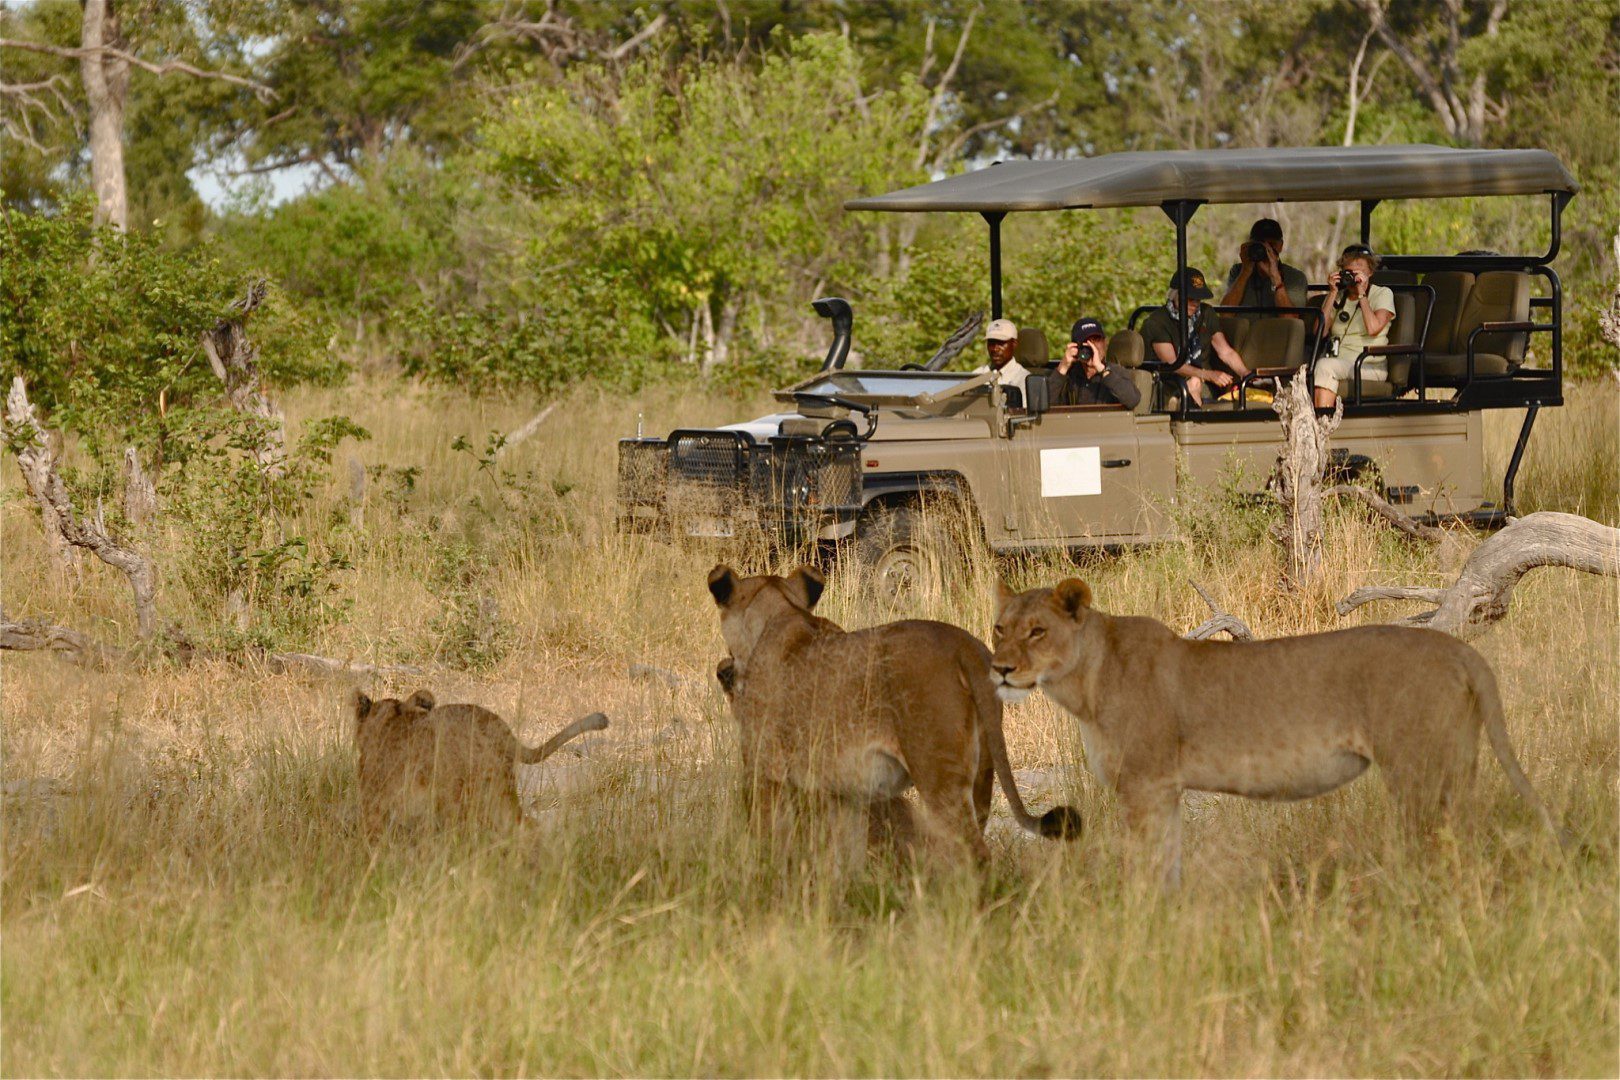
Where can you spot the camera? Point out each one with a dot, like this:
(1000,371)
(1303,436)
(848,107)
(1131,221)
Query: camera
(1345,280)
(1086,354)
(1254,251)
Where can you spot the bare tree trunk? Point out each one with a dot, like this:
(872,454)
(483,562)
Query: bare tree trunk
(1483,589)
(1609,321)
(140,495)
(106,86)
(45,485)
(37,460)
(1301,463)
(234,359)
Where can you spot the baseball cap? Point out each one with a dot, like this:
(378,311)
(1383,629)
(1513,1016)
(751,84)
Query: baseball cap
(1086,329)
(1001,330)
(1197,288)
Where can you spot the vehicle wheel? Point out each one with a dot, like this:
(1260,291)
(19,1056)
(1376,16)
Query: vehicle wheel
(905,549)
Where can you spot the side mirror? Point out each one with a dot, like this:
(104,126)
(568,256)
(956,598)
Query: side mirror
(1037,395)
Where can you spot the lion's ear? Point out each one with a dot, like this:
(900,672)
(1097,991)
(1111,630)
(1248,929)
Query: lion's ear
(808,582)
(722,583)
(361,704)
(422,700)
(1004,595)
(1072,595)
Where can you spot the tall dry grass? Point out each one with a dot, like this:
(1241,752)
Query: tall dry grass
(184,890)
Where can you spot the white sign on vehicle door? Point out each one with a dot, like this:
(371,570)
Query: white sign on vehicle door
(1072,470)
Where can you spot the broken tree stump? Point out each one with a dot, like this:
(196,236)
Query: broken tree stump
(1301,464)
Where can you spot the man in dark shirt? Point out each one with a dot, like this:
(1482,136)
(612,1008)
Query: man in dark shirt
(1260,278)
(1207,348)
(1087,376)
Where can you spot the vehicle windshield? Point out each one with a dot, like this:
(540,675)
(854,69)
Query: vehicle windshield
(861,385)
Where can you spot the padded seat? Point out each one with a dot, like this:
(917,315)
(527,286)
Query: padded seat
(1236,329)
(1275,342)
(1496,296)
(1451,290)
(1391,276)
(1126,349)
(1032,350)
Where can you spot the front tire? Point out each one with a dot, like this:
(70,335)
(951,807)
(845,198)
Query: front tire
(906,550)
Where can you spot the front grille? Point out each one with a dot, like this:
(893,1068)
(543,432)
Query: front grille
(815,476)
(712,459)
(643,472)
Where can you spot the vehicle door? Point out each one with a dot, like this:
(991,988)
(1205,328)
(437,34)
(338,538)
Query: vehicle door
(1074,474)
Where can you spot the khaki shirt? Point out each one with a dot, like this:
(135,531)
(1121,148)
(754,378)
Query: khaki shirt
(1352,335)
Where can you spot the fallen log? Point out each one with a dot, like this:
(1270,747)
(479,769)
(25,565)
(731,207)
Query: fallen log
(1484,588)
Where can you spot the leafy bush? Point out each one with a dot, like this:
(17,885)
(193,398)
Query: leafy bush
(106,328)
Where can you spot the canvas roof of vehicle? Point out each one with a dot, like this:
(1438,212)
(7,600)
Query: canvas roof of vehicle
(1299,174)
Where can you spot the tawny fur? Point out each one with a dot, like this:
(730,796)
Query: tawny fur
(865,715)
(423,761)
(1289,718)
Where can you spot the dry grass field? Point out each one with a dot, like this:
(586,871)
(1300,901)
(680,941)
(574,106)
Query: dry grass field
(185,890)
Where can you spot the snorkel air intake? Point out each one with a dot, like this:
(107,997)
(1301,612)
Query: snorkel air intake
(838,310)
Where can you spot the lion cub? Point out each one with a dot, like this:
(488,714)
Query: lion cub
(420,760)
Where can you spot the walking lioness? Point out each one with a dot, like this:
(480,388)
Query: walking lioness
(420,760)
(867,714)
(1284,719)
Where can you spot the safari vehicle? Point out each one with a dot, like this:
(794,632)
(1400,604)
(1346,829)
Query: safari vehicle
(853,453)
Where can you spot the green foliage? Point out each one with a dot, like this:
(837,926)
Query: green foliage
(106,328)
(710,188)
(244,548)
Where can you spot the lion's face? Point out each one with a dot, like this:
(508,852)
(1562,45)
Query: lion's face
(748,604)
(1035,636)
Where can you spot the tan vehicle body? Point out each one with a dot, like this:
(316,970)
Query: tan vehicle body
(1101,475)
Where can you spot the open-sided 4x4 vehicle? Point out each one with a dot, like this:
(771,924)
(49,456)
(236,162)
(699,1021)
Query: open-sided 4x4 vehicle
(852,452)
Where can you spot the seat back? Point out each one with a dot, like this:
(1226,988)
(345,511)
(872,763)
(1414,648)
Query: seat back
(1391,276)
(1031,350)
(1275,342)
(1497,296)
(1126,349)
(1451,290)
(1404,331)
(1236,329)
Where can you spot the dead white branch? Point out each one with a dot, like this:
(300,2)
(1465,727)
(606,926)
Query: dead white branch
(1222,620)
(56,508)
(140,495)
(28,635)
(529,427)
(1394,517)
(1483,590)
(37,460)
(1609,321)
(103,52)
(1301,463)
(235,361)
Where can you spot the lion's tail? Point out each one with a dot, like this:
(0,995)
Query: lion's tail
(1058,823)
(533,755)
(1488,700)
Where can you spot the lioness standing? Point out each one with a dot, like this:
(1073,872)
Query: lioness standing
(1160,715)
(865,715)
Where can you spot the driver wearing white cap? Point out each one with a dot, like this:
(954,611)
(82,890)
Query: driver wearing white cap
(1001,342)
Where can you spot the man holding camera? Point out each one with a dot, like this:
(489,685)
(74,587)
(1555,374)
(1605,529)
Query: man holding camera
(1210,365)
(1087,376)
(1260,278)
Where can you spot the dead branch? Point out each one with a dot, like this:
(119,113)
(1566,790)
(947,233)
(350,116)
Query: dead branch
(37,460)
(45,485)
(529,427)
(34,635)
(1609,320)
(1483,590)
(1298,477)
(234,360)
(140,495)
(28,635)
(1391,515)
(260,90)
(1223,620)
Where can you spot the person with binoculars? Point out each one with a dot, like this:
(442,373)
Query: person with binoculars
(1358,315)
(1087,376)
(1260,278)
